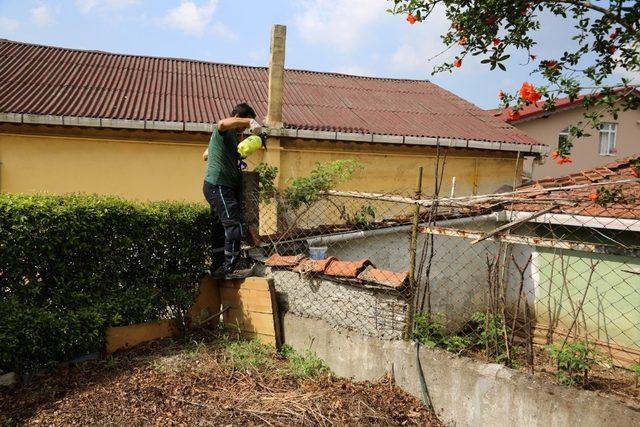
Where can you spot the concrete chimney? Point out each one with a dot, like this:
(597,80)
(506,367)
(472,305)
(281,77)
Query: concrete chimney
(276,76)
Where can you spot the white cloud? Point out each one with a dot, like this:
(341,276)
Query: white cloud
(355,70)
(8,25)
(87,6)
(258,57)
(191,18)
(632,74)
(41,15)
(423,49)
(342,24)
(409,57)
(222,30)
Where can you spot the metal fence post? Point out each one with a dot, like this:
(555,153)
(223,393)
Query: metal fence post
(413,246)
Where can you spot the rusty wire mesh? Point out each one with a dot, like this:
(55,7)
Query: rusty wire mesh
(558,293)
(341,259)
(548,284)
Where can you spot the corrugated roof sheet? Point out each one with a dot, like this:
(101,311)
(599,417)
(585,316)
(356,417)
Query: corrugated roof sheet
(47,80)
(605,176)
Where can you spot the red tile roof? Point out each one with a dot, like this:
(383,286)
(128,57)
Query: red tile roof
(534,111)
(276,260)
(362,271)
(346,268)
(56,81)
(604,176)
(384,277)
(309,265)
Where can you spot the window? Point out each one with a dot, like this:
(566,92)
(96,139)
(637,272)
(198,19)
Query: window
(608,139)
(563,136)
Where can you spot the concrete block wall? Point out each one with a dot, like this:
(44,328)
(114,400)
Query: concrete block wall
(371,312)
(464,392)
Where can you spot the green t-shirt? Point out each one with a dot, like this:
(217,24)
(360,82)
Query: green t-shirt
(222,164)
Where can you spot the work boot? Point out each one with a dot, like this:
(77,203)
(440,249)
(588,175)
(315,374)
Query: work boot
(217,273)
(241,270)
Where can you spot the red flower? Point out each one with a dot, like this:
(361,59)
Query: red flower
(411,19)
(564,159)
(529,93)
(554,154)
(496,41)
(533,57)
(615,34)
(490,20)
(612,49)
(501,95)
(551,64)
(593,196)
(462,41)
(457,62)
(514,114)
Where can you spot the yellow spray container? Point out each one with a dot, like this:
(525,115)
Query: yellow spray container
(249,145)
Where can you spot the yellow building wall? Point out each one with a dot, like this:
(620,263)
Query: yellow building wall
(142,166)
(147,165)
(391,168)
(586,150)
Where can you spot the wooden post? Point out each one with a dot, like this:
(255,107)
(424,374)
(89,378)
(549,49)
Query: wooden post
(276,76)
(251,207)
(413,247)
(271,221)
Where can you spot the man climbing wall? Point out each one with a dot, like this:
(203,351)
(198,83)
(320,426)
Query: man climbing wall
(222,189)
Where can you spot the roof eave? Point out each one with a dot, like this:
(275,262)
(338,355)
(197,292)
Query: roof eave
(448,142)
(579,220)
(576,103)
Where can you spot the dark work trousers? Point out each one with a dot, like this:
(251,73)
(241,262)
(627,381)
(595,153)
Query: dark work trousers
(226,224)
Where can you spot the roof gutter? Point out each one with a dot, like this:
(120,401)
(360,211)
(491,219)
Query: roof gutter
(576,220)
(38,119)
(394,229)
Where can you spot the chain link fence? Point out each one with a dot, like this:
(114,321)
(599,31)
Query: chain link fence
(543,279)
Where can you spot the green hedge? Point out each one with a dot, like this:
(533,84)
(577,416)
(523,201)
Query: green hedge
(72,265)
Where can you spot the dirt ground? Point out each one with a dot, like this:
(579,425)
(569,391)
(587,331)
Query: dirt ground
(206,382)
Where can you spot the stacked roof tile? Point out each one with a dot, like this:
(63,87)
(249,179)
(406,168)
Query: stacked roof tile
(56,81)
(361,271)
(623,173)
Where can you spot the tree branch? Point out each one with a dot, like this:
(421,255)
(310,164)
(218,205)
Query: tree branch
(588,5)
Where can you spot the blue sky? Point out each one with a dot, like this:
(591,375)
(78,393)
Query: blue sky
(349,36)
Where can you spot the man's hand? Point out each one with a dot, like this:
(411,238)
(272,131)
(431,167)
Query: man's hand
(255,127)
(205,155)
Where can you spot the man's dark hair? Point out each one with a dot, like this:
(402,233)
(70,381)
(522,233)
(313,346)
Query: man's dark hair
(244,111)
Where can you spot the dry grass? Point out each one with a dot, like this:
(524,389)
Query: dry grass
(207,383)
